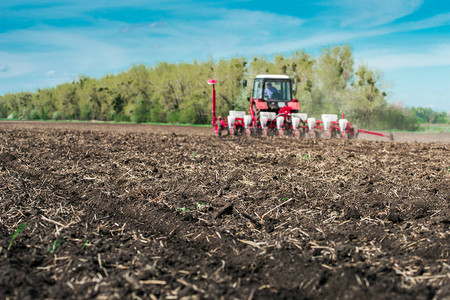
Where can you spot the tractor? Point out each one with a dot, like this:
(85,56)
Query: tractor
(274,112)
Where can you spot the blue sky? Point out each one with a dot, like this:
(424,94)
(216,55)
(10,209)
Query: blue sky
(44,43)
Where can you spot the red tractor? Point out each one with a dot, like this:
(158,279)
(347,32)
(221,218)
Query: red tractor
(273,111)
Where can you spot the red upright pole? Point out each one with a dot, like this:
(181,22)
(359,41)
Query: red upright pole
(213,83)
(214,105)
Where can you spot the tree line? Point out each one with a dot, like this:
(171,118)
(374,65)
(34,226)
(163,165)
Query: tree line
(178,93)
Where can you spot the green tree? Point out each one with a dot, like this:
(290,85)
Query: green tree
(229,75)
(335,71)
(3,107)
(428,115)
(366,102)
(156,114)
(67,101)
(260,66)
(45,103)
(140,112)
(306,86)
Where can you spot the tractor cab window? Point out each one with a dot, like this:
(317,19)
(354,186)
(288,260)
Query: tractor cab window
(277,90)
(257,89)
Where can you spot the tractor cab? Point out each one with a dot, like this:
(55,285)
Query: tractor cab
(272,92)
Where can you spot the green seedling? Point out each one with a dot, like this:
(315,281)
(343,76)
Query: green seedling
(16,233)
(307,157)
(195,153)
(85,244)
(184,209)
(283,199)
(57,243)
(199,203)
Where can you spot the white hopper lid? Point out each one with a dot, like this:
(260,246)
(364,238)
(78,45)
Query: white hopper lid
(331,117)
(237,114)
(302,116)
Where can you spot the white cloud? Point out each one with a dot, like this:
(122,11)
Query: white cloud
(17,64)
(435,55)
(370,13)
(157,24)
(77,50)
(228,34)
(431,22)
(4,68)
(104,48)
(330,37)
(153,25)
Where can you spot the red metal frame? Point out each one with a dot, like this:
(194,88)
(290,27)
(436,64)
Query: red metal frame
(374,133)
(252,112)
(294,105)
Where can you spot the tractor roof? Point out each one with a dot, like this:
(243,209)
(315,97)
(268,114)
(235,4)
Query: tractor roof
(271,76)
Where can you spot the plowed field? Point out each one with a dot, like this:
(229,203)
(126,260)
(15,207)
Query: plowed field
(136,212)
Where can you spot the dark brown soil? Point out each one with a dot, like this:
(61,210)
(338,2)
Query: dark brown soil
(129,213)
